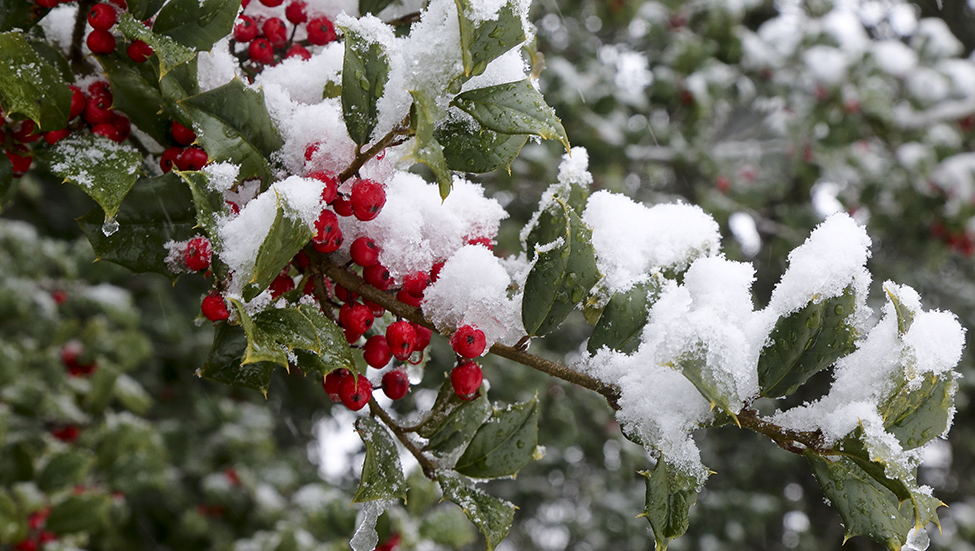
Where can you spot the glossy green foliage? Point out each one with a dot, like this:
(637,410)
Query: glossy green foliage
(365,71)
(513,108)
(427,149)
(624,317)
(477,150)
(481,42)
(492,516)
(382,475)
(30,86)
(106,171)
(196,24)
(670,495)
(503,444)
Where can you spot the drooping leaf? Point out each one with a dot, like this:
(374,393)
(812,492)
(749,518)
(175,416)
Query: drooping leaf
(30,86)
(103,169)
(670,495)
(365,71)
(513,108)
(563,273)
(261,347)
(477,149)
(135,92)
(694,366)
(805,343)
(232,124)
(168,51)
(197,24)
(179,83)
(156,211)
(481,42)
(446,404)
(224,361)
(288,234)
(918,415)
(66,468)
(382,475)
(624,317)
(427,149)
(452,428)
(504,444)
(492,516)
(905,317)
(87,512)
(373,6)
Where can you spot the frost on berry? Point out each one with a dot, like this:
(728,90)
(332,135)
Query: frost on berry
(197,254)
(368,198)
(214,308)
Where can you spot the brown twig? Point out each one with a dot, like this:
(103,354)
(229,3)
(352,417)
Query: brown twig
(78,34)
(790,440)
(402,129)
(429,468)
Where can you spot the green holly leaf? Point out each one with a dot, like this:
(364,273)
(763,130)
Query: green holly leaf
(156,211)
(64,469)
(197,24)
(13,522)
(17,14)
(131,395)
(168,51)
(503,444)
(135,92)
(624,317)
(289,327)
(179,83)
(905,316)
(492,516)
(481,42)
(427,149)
(30,86)
(54,57)
(477,149)
(382,475)
(563,273)
(103,169)
(209,202)
(144,9)
(670,495)
(513,108)
(452,425)
(365,71)
(335,352)
(918,415)
(261,347)
(232,124)
(373,6)
(694,366)
(446,404)
(224,365)
(805,343)
(88,512)
(287,236)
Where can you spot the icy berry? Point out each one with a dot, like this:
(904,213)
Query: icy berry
(67,433)
(261,51)
(100,41)
(368,198)
(376,351)
(139,51)
(378,276)
(358,318)
(401,338)
(197,254)
(245,30)
(333,382)
(321,31)
(396,384)
(295,12)
(355,392)
(364,252)
(192,158)
(328,236)
(466,378)
(407,298)
(416,283)
(107,130)
(331,182)
(468,341)
(182,134)
(214,308)
(102,17)
(342,206)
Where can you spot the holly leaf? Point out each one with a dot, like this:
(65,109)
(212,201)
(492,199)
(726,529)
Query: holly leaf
(513,108)
(287,236)
(13,522)
(382,475)
(477,149)
(446,404)
(805,343)
(209,202)
(427,149)
(88,512)
(624,317)
(694,367)
(670,495)
(168,51)
(481,42)
(290,328)
(918,415)
(905,316)
(563,273)
(144,9)
(335,352)
(103,169)
(452,427)
(64,469)
(261,347)
(503,444)
(365,71)
(135,92)
(30,86)
(17,14)
(197,24)
(492,516)
(373,6)
(224,365)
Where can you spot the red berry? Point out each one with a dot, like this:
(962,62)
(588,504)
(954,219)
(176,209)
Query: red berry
(328,236)
(102,17)
(368,198)
(301,261)
(21,159)
(122,124)
(355,392)
(435,271)
(344,294)
(272,3)
(310,150)
(423,336)
(401,337)
(377,310)
(466,379)
(66,434)
(100,41)
(214,308)
(295,12)
(54,136)
(78,101)
(364,252)
(357,318)
(407,298)
(342,206)
(297,50)
(722,183)
(197,254)
(47,3)
(25,131)
(416,283)
(98,109)
(321,31)
(232,476)
(36,520)
(396,384)
(276,32)
(261,51)
(107,130)
(192,158)
(378,276)
(376,351)
(47,536)
(168,159)
(100,88)
(60,296)
(468,341)
(182,134)
(139,51)
(331,184)
(26,545)
(281,284)
(333,382)
(245,30)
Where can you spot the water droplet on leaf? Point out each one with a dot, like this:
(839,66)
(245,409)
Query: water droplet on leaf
(110,226)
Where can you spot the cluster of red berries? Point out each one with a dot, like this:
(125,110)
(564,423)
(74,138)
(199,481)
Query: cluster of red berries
(184,156)
(76,361)
(269,39)
(101,18)
(959,241)
(38,536)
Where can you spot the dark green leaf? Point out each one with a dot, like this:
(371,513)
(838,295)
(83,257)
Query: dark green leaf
(693,365)
(232,124)
(132,395)
(197,24)
(373,6)
(80,513)
(446,404)
(562,275)
(382,475)
(13,522)
(103,169)
(30,86)
(54,57)
(144,9)
(670,495)
(504,444)
(289,327)
(365,71)
(624,317)
(287,236)
(67,468)
(224,361)
(905,317)
(492,516)
(156,211)
(179,83)
(135,91)
(918,415)
(453,425)
(209,202)
(482,42)
(476,149)
(805,343)
(513,108)
(17,14)
(427,150)
(261,347)
(168,51)
(335,352)
(102,384)
(6,180)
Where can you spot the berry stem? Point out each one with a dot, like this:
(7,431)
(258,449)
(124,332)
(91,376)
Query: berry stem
(402,129)
(428,466)
(78,35)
